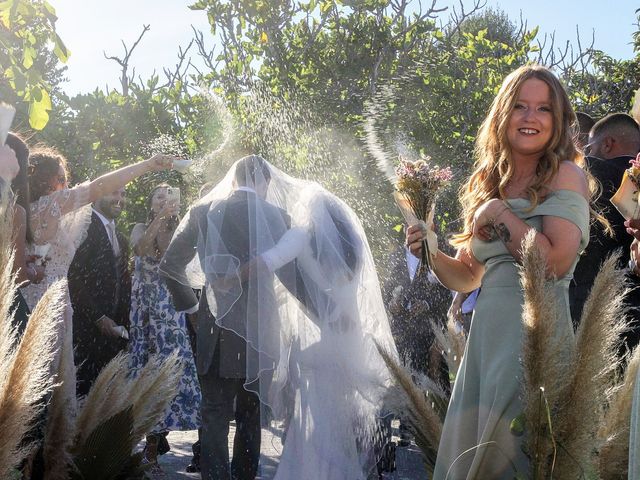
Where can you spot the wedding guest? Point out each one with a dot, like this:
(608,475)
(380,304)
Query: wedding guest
(100,288)
(156,326)
(613,141)
(525,180)
(24,268)
(462,307)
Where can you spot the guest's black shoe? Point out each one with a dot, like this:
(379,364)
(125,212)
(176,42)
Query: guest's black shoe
(193,468)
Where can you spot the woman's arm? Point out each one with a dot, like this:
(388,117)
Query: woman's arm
(461,273)
(112,181)
(143,237)
(50,207)
(559,240)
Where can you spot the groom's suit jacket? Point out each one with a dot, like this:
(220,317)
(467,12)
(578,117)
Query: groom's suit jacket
(226,346)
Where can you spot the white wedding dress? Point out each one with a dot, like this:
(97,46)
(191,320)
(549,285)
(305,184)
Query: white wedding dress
(333,372)
(61,220)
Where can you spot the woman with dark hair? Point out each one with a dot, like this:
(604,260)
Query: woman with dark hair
(156,326)
(25,271)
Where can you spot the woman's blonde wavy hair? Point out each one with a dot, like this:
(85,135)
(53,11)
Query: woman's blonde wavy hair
(493,168)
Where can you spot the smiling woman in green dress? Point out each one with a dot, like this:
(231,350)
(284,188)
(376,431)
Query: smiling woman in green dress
(525,177)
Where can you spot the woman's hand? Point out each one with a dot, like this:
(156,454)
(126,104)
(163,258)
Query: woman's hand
(485,217)
(415,235)
(160,162)
(169,209)
(633,227)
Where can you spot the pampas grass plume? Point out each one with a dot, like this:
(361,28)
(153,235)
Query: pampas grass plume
(25,375)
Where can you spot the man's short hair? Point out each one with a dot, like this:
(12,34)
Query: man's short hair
(251,169)
(620,126)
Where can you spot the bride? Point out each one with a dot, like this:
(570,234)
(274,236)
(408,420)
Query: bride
(336,374)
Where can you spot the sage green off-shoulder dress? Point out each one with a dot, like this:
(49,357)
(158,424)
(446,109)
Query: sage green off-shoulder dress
(486,396)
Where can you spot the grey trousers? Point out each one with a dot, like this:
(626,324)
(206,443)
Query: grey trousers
(218,396)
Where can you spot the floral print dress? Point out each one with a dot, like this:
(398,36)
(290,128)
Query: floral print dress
(156,328)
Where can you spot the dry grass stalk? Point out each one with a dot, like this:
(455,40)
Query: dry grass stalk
(613,457)
(25,373)
(7,279)
(149,393)
(544,371)
(62,407)
(451,344)
(152,398)
(427,422)
(93,412)
(594,367)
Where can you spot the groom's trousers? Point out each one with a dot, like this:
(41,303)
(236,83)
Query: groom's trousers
(218,398)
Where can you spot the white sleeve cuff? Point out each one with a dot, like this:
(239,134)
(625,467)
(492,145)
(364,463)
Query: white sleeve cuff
(193,309)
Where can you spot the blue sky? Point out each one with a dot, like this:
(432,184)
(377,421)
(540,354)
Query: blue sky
(90,27)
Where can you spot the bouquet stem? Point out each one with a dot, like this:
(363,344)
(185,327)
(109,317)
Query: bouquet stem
(425,261)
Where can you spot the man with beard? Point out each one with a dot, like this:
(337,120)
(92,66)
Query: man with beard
(100,290)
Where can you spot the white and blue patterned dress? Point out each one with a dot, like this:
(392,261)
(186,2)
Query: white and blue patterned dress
(156,328)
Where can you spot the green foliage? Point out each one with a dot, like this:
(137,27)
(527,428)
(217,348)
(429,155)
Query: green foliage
(99,131)
(29,51)
(107,452)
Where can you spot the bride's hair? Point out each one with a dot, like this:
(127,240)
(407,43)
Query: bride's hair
(44,163)
(493,168)
(342,244)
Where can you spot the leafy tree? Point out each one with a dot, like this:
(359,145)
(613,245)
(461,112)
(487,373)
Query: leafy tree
(30,50)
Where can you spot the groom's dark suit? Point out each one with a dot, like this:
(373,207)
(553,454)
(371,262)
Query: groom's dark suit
(221,360)
(99,284)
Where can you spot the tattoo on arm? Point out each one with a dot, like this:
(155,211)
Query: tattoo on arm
(503,232)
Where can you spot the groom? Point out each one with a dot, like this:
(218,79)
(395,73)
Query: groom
(222,353)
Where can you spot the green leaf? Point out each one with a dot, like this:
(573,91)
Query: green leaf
(60,50)
(39,109)
(50,11)
(108,448)
(28,55)
(517,425)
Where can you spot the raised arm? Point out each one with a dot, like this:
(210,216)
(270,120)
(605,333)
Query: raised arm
(116,179)
(461,273)
(143,236)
